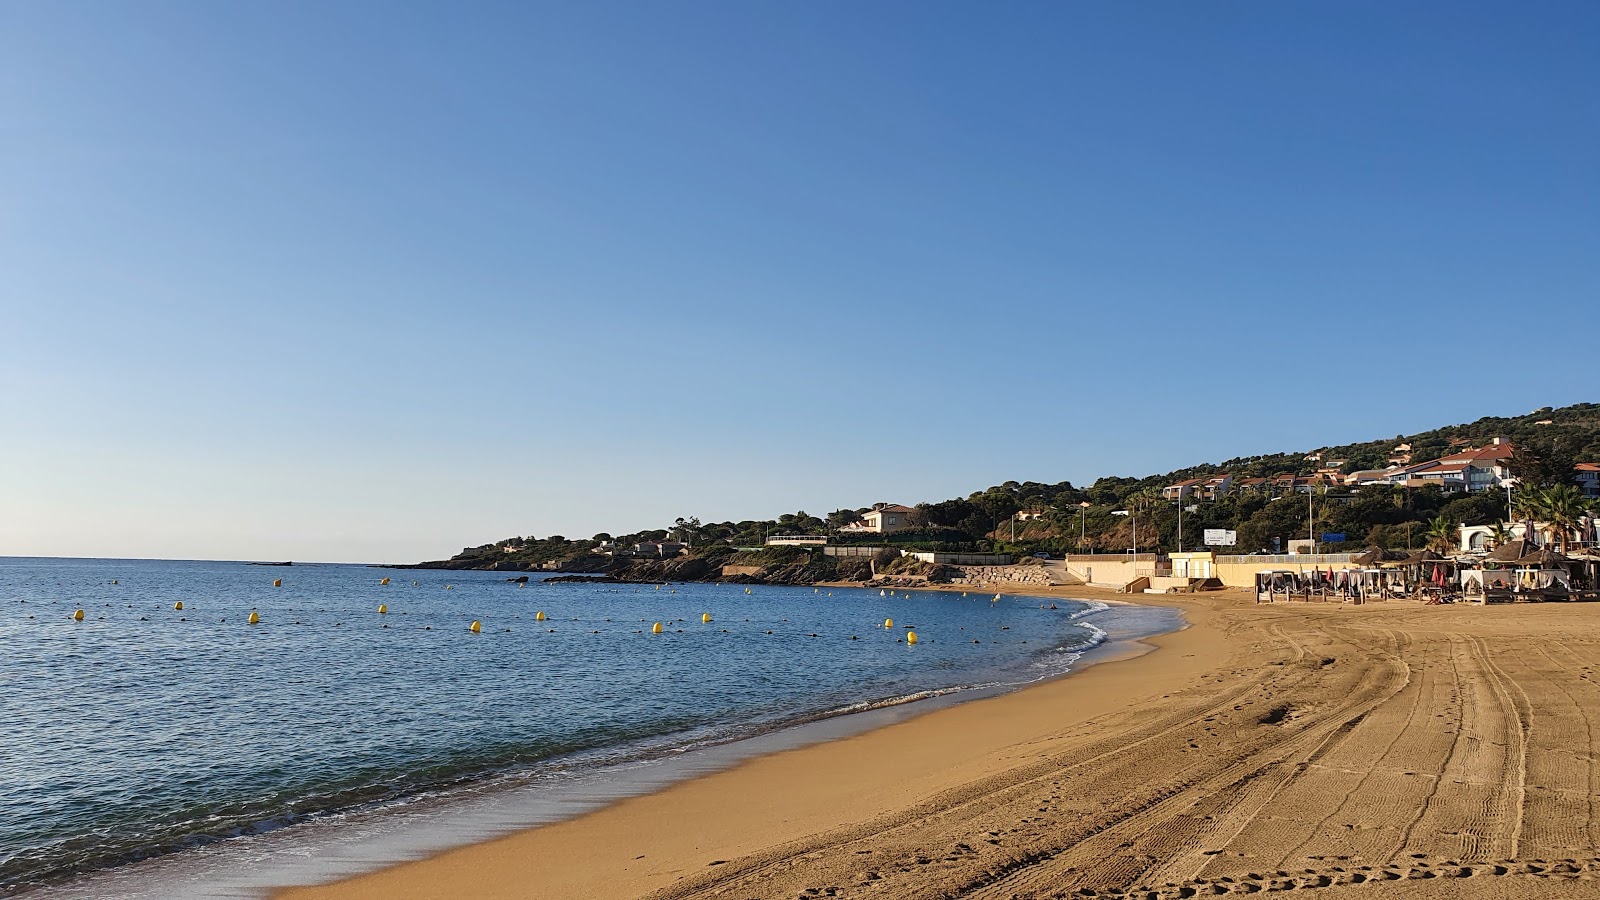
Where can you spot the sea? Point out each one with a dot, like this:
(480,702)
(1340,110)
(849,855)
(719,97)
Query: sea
(153,751)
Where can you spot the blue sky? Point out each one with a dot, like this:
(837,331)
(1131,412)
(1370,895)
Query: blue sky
(372,281)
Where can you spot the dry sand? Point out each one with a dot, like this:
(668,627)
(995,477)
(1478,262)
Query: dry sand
(1388,750)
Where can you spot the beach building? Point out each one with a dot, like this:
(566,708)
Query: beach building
(882,519)
(797,540)
(1480,538)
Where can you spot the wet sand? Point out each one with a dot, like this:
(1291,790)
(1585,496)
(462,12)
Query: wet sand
(1388,750)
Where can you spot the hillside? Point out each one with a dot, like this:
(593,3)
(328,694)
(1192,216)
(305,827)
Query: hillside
(1067,518)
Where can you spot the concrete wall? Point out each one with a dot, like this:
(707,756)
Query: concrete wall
(849,551)
(1168,583)
(742,570)
(963,559)
(1109,569)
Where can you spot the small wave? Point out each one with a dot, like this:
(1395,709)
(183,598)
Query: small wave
(884,703)
(1097,635)
(1093,607)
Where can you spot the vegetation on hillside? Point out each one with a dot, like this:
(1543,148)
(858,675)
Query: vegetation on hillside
(1065,518)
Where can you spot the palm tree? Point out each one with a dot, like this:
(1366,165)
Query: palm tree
(1441,535)
(1500,533)
(1528,504)
(1564,507)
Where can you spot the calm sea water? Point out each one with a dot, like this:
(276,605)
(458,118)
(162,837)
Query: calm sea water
(144,729)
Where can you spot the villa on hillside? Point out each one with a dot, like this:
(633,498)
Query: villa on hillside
(1182,489)
(660,548)
(1474,469)
(1208,487)
(1588,478)
(1471,470)
(881,519)
(1394,474)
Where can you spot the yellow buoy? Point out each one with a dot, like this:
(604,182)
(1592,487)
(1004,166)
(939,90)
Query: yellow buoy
(888,623)
(538,616)
(77,616)
(656,628)
(383,608)
(449,587)
(705,618)
(277,582)
(255,617)
(911,637)
(476,626)
(385,581)
(178,605)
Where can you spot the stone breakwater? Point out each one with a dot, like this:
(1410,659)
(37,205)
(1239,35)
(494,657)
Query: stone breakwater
(1030,575)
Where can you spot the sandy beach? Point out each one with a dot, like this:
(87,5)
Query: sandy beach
(1387,750)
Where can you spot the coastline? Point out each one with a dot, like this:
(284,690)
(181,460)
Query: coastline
(1391,750)
(821,780)
(429,823)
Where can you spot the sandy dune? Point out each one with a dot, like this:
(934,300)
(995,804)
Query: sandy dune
(1390,750)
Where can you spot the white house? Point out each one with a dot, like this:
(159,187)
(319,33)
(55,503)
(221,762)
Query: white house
(881,519)
(1479,469)
(1588,477)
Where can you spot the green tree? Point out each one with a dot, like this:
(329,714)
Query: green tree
(1441,535)
(1564,508)
(1500,533)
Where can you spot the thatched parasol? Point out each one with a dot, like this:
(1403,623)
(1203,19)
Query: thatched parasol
(1510,552)
(1375,556)
(1542,557)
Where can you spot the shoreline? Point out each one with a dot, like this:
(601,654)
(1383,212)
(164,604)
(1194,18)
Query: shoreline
(617,814)
(1389,750)
(365,841)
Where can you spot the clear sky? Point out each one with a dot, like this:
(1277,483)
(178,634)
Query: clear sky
(373,281)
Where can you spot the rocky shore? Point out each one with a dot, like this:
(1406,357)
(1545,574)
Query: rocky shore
(820,570)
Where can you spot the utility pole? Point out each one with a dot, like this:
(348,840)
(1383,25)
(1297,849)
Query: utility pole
(1311,521)
(1180,521)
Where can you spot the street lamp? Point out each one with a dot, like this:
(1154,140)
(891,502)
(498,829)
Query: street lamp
(1083,532)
